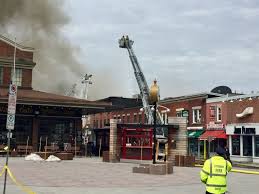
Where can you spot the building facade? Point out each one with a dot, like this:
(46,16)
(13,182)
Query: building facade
(191,107)
(240,116)
(41,118)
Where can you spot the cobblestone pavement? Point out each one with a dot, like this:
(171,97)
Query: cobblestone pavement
(90,175)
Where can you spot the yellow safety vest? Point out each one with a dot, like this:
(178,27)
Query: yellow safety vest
(214,174)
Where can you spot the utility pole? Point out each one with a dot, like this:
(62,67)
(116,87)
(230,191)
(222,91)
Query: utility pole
(10,121)
(86,80)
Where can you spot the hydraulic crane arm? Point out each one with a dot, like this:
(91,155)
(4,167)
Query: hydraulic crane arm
(125,42)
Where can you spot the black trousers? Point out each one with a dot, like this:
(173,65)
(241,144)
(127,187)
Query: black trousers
(211,193)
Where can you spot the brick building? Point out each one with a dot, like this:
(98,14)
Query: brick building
(39,115)
(240,116)
(192,107)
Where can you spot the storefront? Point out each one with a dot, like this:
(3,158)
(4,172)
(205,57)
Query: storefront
(137,144)
(45,119)
(244,142)
(213,139)
(195,147)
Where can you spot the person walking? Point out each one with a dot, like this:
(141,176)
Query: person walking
(214,173)
(227,155)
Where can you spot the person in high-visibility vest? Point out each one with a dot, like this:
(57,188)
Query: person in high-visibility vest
(214,173)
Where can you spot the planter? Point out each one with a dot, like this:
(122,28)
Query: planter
(64,156)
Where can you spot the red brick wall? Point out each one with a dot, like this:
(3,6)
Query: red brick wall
(26,80)
(187,105)
(223,113)
(106,116)
(7,50)
(237,107)
(7,75)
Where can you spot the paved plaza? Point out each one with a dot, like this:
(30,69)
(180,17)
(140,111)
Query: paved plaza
(91,175)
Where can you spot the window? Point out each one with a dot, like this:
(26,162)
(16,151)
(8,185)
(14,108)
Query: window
(218,113)
(247,145)
(128,118)
(212,112)
(1,75)
(140,118)
(18,77)
(236,145)
(257,146)
(146,120)
(178,113)
(93,124)
(165,118)
(196,115)
(135,118)
(101,124)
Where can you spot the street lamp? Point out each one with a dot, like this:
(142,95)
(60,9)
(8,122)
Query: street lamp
(154,97)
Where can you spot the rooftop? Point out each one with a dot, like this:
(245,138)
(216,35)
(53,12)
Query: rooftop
(20,47)
(191,96)
(33,97)
(231,97)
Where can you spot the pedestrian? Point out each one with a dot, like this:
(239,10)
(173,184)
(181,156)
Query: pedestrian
(227,156)
(90,149)
(214,173)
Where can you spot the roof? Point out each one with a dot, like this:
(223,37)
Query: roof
(121,102)
(33,97)
(20,47)
(232,97)
(192,96)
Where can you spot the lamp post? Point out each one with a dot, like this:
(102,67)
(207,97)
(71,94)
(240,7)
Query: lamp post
(154,135)
(154,97)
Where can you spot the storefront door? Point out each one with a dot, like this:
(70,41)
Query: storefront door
(247,146)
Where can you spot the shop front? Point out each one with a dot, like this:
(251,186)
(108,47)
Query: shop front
(137,144)
(213,139)
(244,142)
(45,119)
(195,147)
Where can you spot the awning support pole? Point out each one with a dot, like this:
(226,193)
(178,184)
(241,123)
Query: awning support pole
(205,152)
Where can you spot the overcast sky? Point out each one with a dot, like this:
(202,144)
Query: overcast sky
(188,46)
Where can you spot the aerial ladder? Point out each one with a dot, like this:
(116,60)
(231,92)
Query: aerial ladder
(126,43)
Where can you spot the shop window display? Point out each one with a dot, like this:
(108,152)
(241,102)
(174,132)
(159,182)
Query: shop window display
(137,144)
(257,146)
(193,146)
(236,145)
(247,145)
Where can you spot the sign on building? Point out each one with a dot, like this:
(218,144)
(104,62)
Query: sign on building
(10,120)
(215,126)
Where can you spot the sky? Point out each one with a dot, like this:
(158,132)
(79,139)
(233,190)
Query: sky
(188,46)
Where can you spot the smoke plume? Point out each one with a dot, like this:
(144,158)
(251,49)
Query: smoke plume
(39,24)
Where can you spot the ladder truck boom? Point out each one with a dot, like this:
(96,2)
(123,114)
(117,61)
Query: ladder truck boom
(126,43)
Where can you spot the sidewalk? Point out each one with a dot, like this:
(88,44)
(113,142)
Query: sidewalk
(248,165)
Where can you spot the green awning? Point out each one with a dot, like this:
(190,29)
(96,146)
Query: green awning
(195,134)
